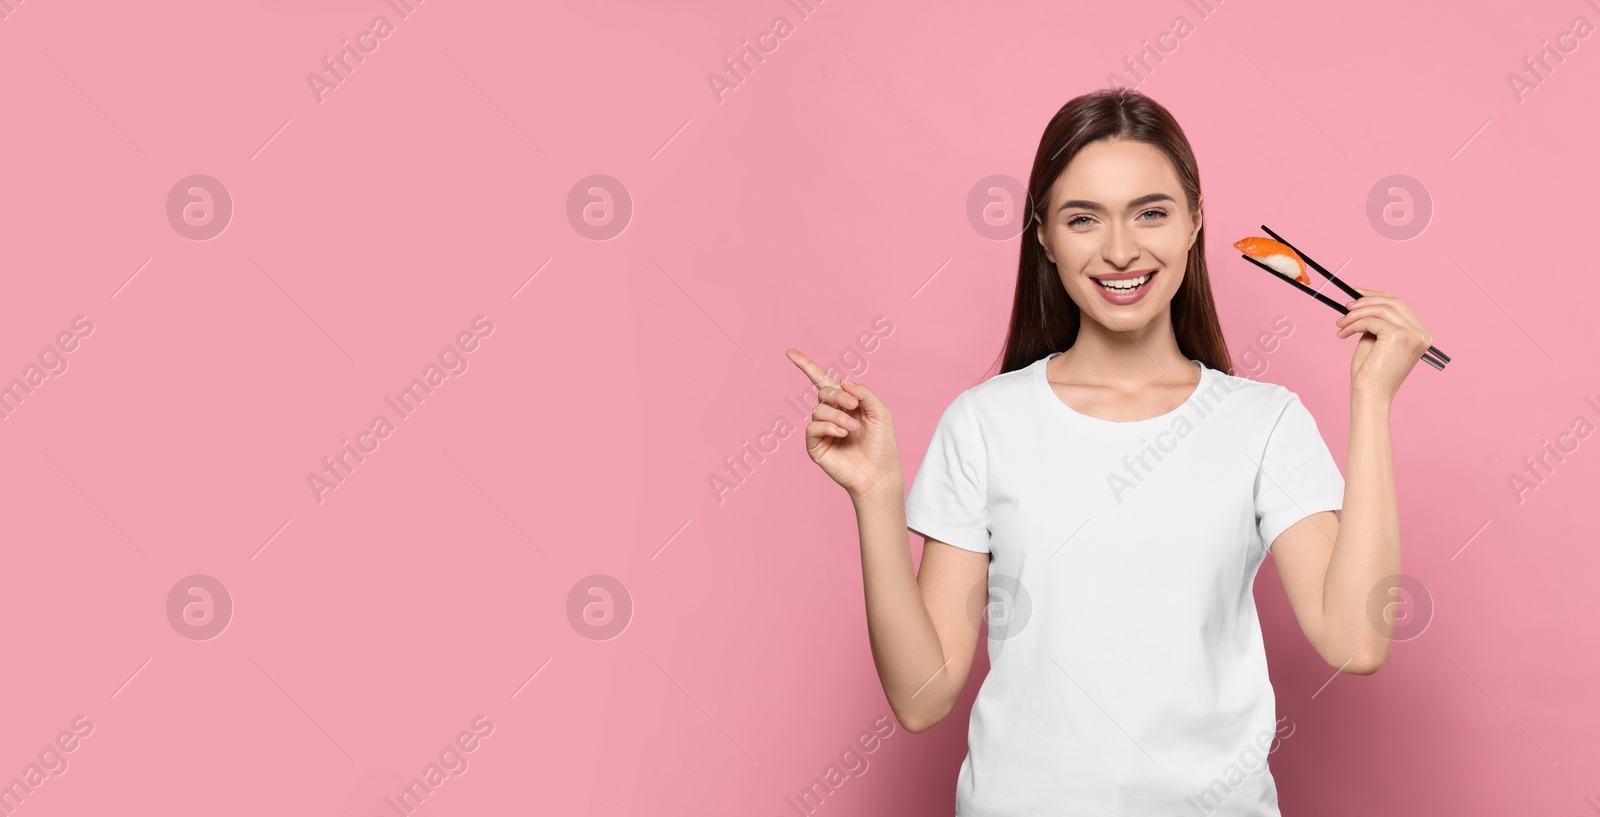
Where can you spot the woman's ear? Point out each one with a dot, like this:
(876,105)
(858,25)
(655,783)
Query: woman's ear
(1199,217)
(1039,234)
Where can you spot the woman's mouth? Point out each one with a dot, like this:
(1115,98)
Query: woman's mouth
(1123,289)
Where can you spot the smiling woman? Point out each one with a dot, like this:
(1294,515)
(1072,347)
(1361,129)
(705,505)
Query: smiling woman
(1077,479)
(1095,247)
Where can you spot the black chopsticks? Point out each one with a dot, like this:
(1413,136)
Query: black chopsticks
(1433,357)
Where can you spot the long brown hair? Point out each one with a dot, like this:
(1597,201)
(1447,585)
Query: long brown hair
(1044,319)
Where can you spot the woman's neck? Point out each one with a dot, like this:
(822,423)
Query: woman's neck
(1101,354)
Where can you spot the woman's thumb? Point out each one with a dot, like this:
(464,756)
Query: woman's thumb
(870,404)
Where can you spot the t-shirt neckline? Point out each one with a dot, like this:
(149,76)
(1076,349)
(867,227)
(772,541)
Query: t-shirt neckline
(1042,387)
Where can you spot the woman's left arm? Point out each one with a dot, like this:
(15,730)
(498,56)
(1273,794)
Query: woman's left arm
(1329,585)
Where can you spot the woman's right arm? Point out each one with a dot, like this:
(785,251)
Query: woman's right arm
(922,627)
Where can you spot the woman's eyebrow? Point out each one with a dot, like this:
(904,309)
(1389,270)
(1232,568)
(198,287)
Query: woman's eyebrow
(1095,206)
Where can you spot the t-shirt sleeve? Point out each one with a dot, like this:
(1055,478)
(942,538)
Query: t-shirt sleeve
(1297,476)
(948,499)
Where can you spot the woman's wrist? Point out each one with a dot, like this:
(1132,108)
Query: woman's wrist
(889,492)
(1370,404)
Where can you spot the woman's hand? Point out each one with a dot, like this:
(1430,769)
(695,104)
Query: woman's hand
(1392,341)
(851,434)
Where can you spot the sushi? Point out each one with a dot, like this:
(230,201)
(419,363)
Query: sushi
(1280,258)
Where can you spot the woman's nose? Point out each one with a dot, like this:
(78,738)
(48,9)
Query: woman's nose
(1120,248)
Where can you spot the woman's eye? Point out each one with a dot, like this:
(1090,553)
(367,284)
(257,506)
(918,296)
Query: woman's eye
(1156,214)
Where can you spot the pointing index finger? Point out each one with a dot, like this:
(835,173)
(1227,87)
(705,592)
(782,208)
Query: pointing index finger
(819,376)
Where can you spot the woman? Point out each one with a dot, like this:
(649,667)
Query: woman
(1115,488)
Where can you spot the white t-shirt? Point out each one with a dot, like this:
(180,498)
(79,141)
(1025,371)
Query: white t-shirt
(1127,670)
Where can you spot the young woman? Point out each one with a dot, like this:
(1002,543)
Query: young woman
(1115,489)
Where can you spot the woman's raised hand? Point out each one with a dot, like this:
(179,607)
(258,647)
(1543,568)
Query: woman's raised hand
(851,434)
(1392,341)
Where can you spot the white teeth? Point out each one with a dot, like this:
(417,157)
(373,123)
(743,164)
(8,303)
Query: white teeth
(1126,285)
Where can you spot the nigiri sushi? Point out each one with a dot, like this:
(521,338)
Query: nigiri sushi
(1281,259)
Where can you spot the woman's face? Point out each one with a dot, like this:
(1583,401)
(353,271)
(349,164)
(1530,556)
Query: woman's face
(1117,215)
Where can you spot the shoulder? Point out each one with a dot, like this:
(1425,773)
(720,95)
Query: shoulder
(1254,395)
(996,397)
(976,412)
(1269,407)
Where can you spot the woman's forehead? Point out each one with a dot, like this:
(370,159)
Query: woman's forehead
(1116,172)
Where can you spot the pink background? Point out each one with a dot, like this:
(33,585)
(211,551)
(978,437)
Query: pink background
(431,588)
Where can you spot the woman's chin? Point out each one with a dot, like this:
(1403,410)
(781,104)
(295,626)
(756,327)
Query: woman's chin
(1128,317)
